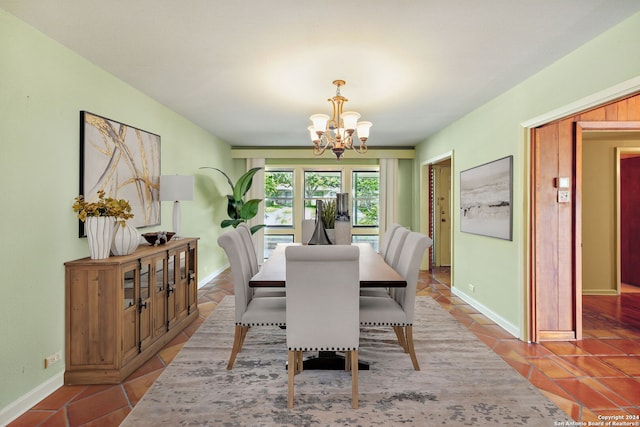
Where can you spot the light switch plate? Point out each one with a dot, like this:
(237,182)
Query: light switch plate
(563,196)
(563,182)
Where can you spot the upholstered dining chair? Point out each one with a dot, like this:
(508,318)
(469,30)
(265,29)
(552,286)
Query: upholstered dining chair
(391,257)
(397,311)
(245,232)
(249,311)
(395,246)
(322,284)
(388,249)
(386,238)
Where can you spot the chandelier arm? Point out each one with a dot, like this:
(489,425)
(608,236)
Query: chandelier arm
(326,141)
(348,142)
(318,149)
(362,148)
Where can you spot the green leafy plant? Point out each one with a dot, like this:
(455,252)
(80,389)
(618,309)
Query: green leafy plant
(238,209)
(104,206)
(329,213)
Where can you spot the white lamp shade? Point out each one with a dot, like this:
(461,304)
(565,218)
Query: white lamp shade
(319,121)
(312,133)
(176,187)
(349,119)
(363,129)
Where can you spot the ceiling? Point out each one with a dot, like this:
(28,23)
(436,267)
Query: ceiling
(252,71)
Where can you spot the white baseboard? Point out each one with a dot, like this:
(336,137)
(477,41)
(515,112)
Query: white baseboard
(211,276)
(499,320)
(26,402)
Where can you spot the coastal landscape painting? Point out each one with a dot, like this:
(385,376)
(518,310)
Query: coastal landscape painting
(486,199)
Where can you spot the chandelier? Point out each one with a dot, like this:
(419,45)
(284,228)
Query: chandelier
(336,133)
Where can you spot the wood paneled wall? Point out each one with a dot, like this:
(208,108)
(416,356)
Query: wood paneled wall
(556,310)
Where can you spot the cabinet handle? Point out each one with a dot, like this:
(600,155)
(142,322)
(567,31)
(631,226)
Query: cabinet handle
(169,290)
(141,305)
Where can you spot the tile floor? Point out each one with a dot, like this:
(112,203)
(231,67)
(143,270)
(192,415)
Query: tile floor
(599,375)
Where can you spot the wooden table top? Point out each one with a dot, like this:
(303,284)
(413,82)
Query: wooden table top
(374,271)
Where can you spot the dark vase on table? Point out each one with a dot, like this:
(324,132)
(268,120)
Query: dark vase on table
(319,236)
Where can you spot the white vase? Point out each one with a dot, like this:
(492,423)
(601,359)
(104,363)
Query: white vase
(99,231)
(125,239)
(342,233)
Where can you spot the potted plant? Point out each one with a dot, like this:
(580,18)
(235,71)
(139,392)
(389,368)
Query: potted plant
(238,209)
(329,218)
(100,218)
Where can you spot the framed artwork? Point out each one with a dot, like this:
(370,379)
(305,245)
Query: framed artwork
(124,161)
(486,206)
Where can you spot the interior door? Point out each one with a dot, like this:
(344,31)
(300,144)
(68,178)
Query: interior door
(442,187)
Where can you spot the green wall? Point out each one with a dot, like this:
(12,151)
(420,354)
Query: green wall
(497,268)
(43,86)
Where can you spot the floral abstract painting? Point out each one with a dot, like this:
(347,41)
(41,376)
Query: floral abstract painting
(124,162)
(486,199)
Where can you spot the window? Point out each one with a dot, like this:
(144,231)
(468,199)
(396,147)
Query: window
(366,198)
(319,185)
(291,193)
(278,201)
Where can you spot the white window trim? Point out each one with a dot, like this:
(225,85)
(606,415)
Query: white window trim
(298,180)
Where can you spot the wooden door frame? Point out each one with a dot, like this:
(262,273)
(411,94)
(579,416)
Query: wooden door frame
(581,110)
(579,127)
(426,202)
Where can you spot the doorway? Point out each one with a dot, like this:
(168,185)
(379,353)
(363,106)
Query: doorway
(610,204)
(436,205)
(442,213)
(555,257)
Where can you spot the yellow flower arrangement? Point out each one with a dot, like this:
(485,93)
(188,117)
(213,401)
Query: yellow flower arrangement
(105,206)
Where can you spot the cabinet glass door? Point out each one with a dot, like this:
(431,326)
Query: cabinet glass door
(160,298)
(182,286)
(171,290)
(144,302)
(192,270)
(130,279)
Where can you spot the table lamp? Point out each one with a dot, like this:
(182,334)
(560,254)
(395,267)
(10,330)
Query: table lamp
(176,188)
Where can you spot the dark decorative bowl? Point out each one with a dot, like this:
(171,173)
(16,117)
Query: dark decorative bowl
(156,238)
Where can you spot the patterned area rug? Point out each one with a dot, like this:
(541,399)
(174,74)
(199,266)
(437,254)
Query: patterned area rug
(461,382)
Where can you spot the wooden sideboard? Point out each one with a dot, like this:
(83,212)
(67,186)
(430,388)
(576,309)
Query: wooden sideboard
(121,310)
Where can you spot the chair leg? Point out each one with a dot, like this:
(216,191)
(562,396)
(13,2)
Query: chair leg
(401,339)
(238,340)
(245,330)
(412,350)
(292,372)
(354,378)
(299,362)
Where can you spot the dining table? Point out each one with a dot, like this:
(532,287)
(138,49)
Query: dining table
(374,273)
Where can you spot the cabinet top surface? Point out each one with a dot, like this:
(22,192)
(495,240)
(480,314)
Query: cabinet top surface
(143,250)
